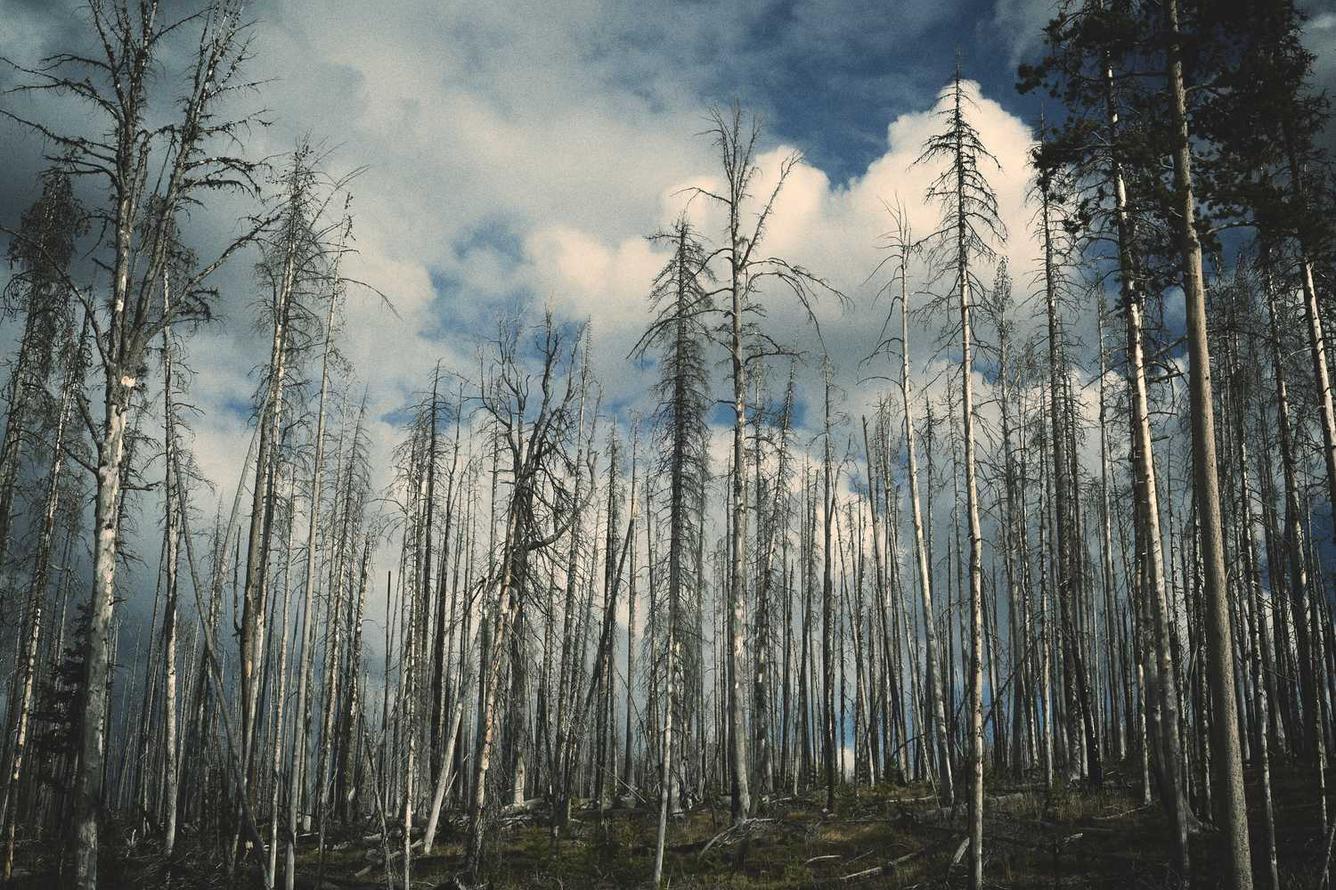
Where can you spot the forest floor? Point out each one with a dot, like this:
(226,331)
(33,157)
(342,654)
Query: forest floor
(889,836)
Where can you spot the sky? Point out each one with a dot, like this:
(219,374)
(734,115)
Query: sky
(517,153)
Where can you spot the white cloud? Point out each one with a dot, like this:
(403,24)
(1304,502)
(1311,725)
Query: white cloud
(1020,24)
(523,155)
(830,228)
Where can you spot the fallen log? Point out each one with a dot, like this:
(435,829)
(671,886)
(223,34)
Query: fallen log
(879,870)
(381,860)
(741,829)
(1119,815)
(941,814)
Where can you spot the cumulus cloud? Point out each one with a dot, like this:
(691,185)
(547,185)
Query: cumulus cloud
(517,155)
(830,228)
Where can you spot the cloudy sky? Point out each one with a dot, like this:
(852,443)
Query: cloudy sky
(517,153)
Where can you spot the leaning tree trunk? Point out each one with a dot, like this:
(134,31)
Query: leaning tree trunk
(828,741)
(171,781)
(1066,544)
(253,600)
(972,508)
(506,607)
(932,674)
(22,706)
(737,598)
(120,384)
(1226,759)
(1146,507)
(666,759)
(16,418)
(301,716)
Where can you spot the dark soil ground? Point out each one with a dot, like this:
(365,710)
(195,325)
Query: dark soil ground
(881,837)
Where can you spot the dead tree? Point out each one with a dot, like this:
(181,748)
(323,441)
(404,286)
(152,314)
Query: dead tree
(899,241)
(970,226)
(144,167)
(746,272)
(39,292)
(534,417)
(1226,758)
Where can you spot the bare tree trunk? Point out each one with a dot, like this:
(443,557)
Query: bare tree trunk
(628,775)
(1066,540)
(407,702)
(505,614)
(761,647)
(963,176)
(266,463)
(666,759)
(828,738)
(737,612)
(1165,728)
(21,707)
(1118,722)
(92,751)
(16,418)
(301,718)
(446,775)
(1253,588)
(936,722)
(171,782)
(280,699)
(1226,758)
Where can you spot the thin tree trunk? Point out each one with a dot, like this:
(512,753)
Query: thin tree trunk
(301,720)
(1164,718)
(1226,759)
(32,624)
(936,722)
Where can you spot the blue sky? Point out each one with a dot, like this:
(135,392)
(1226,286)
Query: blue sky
(833,93)
(518,152)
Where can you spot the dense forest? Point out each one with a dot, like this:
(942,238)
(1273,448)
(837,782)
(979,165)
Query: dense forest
(1030,587)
